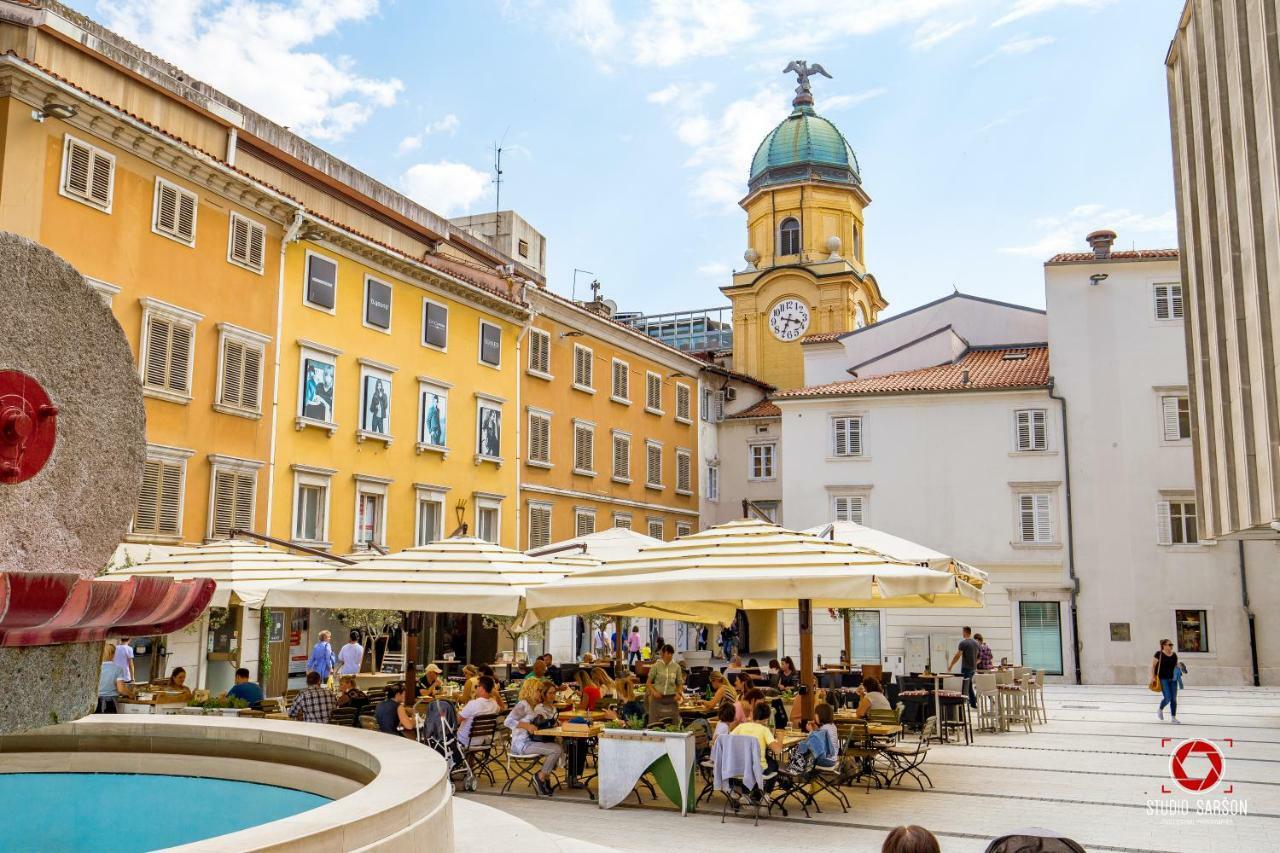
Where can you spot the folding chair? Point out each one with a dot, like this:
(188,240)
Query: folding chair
(481,741)
(736,794)
(345,716)
(906,760)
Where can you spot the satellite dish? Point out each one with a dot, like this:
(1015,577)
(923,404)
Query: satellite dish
(611,307)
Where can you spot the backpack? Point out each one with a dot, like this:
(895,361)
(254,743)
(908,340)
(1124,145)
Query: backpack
(799,766)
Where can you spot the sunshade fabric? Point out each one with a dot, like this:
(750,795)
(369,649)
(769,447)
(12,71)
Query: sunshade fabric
(245,570)
(608,544)
(459,575)
(897,548)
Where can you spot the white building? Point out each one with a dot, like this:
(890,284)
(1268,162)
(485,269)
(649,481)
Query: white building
(1117,353)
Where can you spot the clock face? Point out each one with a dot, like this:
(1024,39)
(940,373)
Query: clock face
(789,319)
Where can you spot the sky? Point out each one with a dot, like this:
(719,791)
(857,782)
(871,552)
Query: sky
(990,133)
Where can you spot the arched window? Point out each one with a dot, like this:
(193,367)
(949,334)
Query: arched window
(789,236)
(857,242)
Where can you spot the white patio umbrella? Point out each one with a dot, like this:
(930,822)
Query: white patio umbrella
(897,548)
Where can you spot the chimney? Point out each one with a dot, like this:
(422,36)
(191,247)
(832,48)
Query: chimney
(964,376)
(1100,242)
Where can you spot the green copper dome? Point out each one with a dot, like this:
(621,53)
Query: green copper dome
(804,145)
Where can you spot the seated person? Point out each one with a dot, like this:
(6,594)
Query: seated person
(552,671)
(735,665)
(724,693)
(350,696)
(178,685)
(823,741)
(537,698)
(393,717)
(770,746)
(873,697)
(431,684)
(748,701)
(724,721)
(479,706)
(244,689)
(589,692)
(315,703)
(470,673)
(603,681)
(539,670)
(496,696)
(628,704)
(788,677)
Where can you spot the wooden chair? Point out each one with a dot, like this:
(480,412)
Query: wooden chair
(989,717)
(345,716)
(481,742)
(368,722)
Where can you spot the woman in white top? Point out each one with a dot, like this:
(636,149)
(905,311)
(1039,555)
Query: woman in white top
(537,702)
(873,698)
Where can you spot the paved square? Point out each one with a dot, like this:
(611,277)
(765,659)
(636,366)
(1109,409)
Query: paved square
(1089,774)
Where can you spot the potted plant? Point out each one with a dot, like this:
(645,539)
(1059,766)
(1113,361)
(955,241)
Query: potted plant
(227,706)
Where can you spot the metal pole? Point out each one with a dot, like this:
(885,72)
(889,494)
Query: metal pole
(282,543)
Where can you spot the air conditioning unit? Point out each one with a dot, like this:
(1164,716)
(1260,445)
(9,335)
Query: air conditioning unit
(730,394)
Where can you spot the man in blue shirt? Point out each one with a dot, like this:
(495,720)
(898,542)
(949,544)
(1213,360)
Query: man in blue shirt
(321,660)
(244,689)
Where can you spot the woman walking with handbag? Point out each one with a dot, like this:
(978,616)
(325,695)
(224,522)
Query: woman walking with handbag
(1164,666)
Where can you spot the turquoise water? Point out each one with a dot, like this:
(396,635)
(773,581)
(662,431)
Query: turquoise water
(128,812)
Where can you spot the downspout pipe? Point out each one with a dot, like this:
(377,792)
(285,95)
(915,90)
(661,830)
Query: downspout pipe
(290,235)
(1071,536)
(1248,612)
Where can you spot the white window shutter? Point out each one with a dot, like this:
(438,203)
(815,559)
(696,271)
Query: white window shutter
(250,390)
(1039,430)
(1169,415)
(1022,427)
(621,457)
(1175,301)
(840,444)
(539,526)
(1027,518)
(1162,302)
(103,178)
(718,414)
(1164,524)
(78,169)
(585,524)
(855,436)
(224,503)
(682,402)
(146,516)
(1044,520)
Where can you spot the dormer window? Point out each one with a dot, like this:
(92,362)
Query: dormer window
(789,236)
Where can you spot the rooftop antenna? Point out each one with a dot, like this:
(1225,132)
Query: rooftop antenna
(497,177)
(573,295)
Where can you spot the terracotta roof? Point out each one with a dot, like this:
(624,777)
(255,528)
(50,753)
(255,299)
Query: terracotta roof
(987,369)
(742,377)
(1136,255)
(821,337)
(766,408)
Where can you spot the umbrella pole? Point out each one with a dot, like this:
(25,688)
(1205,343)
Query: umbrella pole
(806,657)
(848,641)
(617,646)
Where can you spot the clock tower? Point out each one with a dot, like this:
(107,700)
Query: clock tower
(806,273)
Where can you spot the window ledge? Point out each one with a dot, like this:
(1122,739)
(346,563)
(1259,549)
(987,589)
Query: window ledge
(858,458)
(761,479)
(1033,453)
(246,266)
(624,480)
(657,487)
(538,374)
(583,472)
(538,463)
(363,435)
(155,538)
(585,389)
(422,447)
(653,411)
(165,394)
(496,460)
(1184,548)
(621,400)
(1036,546)
(1199,655)
(312,543)
(1175,442)
(300,423)
(684,491)
(683,420)
(250,414)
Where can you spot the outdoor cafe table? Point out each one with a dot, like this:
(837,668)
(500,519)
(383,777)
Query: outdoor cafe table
(575,739)
(626,755)
(159,703)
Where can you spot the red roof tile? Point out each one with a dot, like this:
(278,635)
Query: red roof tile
(766,408)
(821,337)
(1137,255)
(986,369)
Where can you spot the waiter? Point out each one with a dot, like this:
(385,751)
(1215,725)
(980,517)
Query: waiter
(663,687)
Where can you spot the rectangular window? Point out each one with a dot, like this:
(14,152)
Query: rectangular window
(1035,518)
(430,520)
(583,375)
(316,387)
(684,472)
(539,525)
(1168,301)
(1192,629)
(246,243)
(539,352)
(1031,429)
(375,401)
(682,403)
(864,636)
(487,523)
(584,522)
(846,437)
(167,351)
(762,461)
(369,518)
(622,519)
(621,381)
(1040,628)
(621,457)
(159,510)
(232,502)
(848,508)
(322,282)
(175,212)
(240,382)
(683,529)
(377,304)
(433,414)
(310,504)
(584,449)
(653,393)
(708,401)
(88,174)
(488,431)
(656,528)
(539,438)
(490,344)
(713,482)
(1176,523)
(1175,412)
(653,466)
(435,325)
(770,509)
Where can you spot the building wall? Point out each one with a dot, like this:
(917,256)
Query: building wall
(1223,95)
(823,212)
(737,435)
(1114,362)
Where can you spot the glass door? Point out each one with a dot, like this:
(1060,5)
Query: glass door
(1040,626)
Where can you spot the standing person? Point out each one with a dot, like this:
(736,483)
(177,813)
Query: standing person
(984,654)
(1164,666)
(600,643)
(633,646)
(702,638)
(351,656)
(124,659)
(111,681)
(967,654)
(321,659)
(663,686)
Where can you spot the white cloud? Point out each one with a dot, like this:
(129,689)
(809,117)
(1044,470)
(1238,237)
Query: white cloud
(723,154)
(1066,233)
(843,102)
(685,95)
(1025,8)
(1017,46)
(256,52)
(934,32)
(445,187)
(448,124)
(677,30)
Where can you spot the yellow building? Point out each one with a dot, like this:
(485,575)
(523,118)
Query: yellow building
(806,270)
(610,425)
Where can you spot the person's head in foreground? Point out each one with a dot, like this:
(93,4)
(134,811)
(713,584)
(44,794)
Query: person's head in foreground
(347,682)
(325,636)
(396,692)
(484,687)
(910,839)
(355,636)
(761,712)
(726,714)
(539,667)
(313,678)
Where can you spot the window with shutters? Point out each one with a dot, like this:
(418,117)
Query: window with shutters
(656,528)
(539,439)
(708,402)
(1175,416)
(88,174)
(621,457)
(683,529)
(1176,522)
(168,350)
(241,354)
(584,448)
(1031,430)
(158,514)
(712,483)
(430,516)
(435,325)
(539,525)
(1168,301)
(653,465)
(320,287)
(846,436)
(583,378)
(584,522)
(246,243)
(849,508)
(231,501)
(684,472)
(761,465)
(1035,518)
(174,215)
(653,393)
(683,401)
(311,504)
(622,519)
(621,389)
(540,353)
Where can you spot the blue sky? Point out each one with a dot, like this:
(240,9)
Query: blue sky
(990,133)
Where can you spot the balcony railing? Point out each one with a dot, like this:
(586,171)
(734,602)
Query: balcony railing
(698,331)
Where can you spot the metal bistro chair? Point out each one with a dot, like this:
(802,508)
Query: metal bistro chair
(525,766)
(906,758)
(481,741)
(345,716)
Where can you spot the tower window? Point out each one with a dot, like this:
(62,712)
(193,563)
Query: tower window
(789,236)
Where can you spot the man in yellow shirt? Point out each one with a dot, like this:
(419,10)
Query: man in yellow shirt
(770,746)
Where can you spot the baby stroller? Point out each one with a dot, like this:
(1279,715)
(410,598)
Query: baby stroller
(438,729)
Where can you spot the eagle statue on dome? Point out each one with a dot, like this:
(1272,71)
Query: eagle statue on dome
(803,71)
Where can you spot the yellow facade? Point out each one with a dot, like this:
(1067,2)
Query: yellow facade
(552,388)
